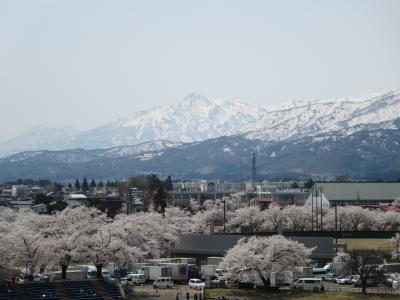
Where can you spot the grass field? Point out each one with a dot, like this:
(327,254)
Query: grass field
(376,244)
(259,295)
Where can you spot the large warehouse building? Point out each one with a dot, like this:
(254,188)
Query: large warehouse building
(356,193)
(201,246)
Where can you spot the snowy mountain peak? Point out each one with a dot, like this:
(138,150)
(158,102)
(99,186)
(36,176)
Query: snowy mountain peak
(194,99)
(343,116)
(194,118)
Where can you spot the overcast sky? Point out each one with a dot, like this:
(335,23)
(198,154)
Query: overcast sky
(83,63)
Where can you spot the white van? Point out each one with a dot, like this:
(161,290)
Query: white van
(163,283)
(137,278)
(308,284)
(92,272)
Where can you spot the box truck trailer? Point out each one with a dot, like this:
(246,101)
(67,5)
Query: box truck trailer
(179,271)
(151,273)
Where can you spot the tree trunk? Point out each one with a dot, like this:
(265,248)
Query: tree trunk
(64,272)
(266,282)
(99,268)
(364,286)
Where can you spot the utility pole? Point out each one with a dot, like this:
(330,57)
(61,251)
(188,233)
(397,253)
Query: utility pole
(316,208)
(224,201)
(312,209)
(253,169)
(336,233)
(320,198)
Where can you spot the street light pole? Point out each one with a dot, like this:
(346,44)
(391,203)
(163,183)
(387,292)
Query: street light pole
(224,200)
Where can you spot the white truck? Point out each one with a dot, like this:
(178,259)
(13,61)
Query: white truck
(151,273)
(73,274)
(179,271)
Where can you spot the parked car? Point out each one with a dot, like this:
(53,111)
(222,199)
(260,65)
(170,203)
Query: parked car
(395,255)
(137,278)
(389,279)
(308,284)
(337,278)
(196,284)
(163,283)
(126,280)
(396,283)
(329,277)
(344,280)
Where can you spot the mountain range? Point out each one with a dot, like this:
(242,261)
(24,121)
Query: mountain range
(358,138)
(195,118)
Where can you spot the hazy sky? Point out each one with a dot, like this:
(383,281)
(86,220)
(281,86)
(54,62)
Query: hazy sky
(83,63)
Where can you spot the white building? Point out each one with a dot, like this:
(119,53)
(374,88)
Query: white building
(75,200)
(18,190)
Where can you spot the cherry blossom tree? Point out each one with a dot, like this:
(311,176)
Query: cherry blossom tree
(251,217)
(274,218)
(104,245)
(391,220)
(212,212)
(152,232)
(297,218)
(7,219)
(354,218)
(396,245)
(25,241)
(179,221)
(358,217)
(257,258)
(69,232)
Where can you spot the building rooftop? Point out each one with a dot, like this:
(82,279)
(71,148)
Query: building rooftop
(384,191)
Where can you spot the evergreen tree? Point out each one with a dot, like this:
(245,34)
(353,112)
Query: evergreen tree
(77,185)
(70,186)
(57,187)
(168,184)
(92,184)
(101,184)
(85,185)
(309,184)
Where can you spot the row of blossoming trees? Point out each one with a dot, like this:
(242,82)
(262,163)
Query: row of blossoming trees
(36,242)
(295,218)
(32,242)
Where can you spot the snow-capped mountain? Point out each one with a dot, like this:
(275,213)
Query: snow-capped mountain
(342,116)
(195,118)
(40,137)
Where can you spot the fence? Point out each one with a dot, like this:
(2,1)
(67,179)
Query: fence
(370,290)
